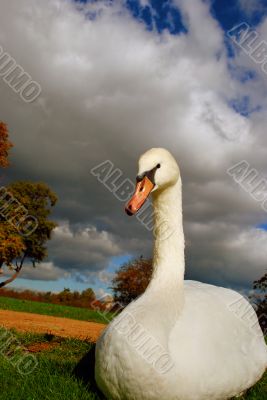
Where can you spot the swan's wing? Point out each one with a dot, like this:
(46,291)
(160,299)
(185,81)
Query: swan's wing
(218,334)
(229,302)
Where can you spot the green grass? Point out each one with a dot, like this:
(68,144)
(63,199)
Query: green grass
(56,310)
(52,379)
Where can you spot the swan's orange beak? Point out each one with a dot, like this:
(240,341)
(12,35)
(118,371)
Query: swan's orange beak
(142,190)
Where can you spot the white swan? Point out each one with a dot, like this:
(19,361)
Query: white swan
(180,340)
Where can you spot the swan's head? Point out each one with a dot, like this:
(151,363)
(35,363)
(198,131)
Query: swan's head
(157,170)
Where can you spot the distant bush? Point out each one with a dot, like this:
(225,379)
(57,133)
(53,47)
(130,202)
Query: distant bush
(65,297)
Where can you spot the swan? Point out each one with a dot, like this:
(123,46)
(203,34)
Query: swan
(180,340)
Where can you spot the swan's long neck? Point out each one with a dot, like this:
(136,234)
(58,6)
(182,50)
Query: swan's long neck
(168,260)
(158,309)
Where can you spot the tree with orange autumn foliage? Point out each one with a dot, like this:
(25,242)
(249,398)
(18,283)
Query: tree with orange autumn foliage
(11,244)
(131,280)
(38,200)
(19,201)
(5,145)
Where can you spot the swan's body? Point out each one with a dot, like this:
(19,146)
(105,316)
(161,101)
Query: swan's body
(179,340)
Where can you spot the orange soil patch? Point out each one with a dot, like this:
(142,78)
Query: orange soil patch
(65,327)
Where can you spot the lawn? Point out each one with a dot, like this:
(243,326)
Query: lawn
(56,310)
(52,378)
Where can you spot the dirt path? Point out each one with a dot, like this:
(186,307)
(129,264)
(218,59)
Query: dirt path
(27,322)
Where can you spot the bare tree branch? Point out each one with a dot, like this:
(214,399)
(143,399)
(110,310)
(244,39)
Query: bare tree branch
(15,275)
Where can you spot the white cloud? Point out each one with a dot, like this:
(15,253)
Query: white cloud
(45,271)
(205,35)
(83,250)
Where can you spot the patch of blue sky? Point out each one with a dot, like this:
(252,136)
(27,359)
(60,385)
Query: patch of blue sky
(241,73)
(248,75)
(230,13)
(158,15)
(243,106)
(49,286)
(58,285)
(118,261)
(74,282)
(81,282)
(262,226)
(163,14)
(92,15)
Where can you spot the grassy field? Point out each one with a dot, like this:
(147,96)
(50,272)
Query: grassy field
(56,310)
(52,378)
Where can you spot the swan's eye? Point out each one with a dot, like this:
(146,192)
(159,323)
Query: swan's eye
(158,165)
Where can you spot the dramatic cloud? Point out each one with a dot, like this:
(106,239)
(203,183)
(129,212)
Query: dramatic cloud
(84,250)
(223,254)
(46,271)
(112,89)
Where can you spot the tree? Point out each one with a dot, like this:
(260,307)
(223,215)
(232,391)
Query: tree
(11,245)
(65,296)
(131,280)
(30,202)
(83,299)
(260,298)
(87,296)
(5,145)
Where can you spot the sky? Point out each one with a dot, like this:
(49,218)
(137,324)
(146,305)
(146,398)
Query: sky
(117,78)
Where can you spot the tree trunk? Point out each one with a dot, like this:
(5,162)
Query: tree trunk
(15,275)
(11,279)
